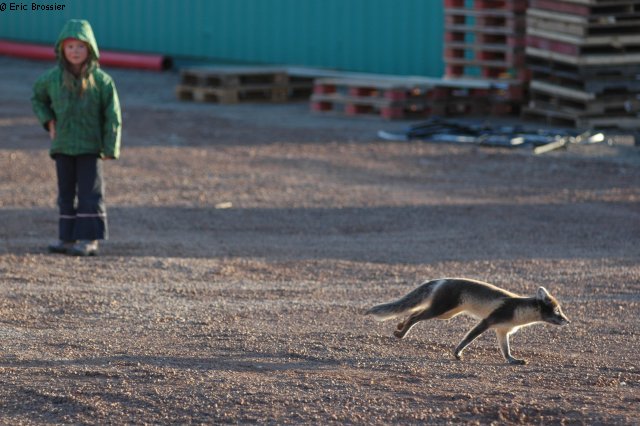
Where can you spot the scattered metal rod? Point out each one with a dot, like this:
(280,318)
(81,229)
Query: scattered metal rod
(563,141)
(438,129)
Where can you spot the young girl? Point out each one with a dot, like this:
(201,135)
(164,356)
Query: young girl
(78,105)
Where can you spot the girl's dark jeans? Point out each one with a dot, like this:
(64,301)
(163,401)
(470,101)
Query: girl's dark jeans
(83,214)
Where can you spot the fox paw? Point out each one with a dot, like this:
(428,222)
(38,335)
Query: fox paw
(515,361)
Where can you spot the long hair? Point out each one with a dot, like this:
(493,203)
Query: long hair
(78,83)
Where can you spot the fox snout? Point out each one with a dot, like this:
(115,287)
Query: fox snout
(555,317)
(560,320)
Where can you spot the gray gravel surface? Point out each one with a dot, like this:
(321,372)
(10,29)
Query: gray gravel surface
(246,242)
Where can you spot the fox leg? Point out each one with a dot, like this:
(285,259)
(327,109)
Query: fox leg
(406,325)
(503,341)
(470,337)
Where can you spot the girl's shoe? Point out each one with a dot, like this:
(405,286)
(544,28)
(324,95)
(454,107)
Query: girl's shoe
(61,247)
(84,248)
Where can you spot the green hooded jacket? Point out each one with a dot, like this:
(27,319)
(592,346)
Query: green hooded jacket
(87,123)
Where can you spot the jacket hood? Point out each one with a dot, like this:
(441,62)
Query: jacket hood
(79,29)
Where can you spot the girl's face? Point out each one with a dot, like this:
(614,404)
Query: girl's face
(75,51)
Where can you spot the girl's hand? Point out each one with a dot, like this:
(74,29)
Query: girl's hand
(52,129)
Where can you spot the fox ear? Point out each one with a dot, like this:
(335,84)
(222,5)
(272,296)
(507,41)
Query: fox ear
(543,294)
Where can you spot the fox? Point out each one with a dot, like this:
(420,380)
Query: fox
(496,308)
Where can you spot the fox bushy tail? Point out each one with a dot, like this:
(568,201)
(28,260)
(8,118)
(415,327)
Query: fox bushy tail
(416,300)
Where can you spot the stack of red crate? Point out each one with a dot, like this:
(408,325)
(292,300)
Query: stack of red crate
(485,39)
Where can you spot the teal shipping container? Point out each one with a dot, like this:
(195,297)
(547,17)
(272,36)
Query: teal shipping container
(401,37)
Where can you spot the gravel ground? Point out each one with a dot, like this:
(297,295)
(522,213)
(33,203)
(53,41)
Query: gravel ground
(247,240)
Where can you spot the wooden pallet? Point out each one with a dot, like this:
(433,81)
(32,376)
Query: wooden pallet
(582,26)
(584,57)
(507,91)
(503,41)
(585,60)
(609,81)
(233,76)
(372,88)
(505,99)
(576,46)
(364,108)
(233,95)
(513,28)
(449,107)
(391,100)
(485,18)
(551,116)
(300,88)
(479,69)
(485,39)
(484,57)
(583,72)
(231,85)
(494,5)
(386,99)
(461,107)
(582,103)
(590,8)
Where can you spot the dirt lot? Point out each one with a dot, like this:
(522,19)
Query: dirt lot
(253,314)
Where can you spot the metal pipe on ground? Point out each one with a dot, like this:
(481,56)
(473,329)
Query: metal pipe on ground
(107,58)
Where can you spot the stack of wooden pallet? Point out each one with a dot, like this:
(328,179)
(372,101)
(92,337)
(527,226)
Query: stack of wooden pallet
(229,85)
(485,39)
(371,97)
(398,98)
(584,56)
